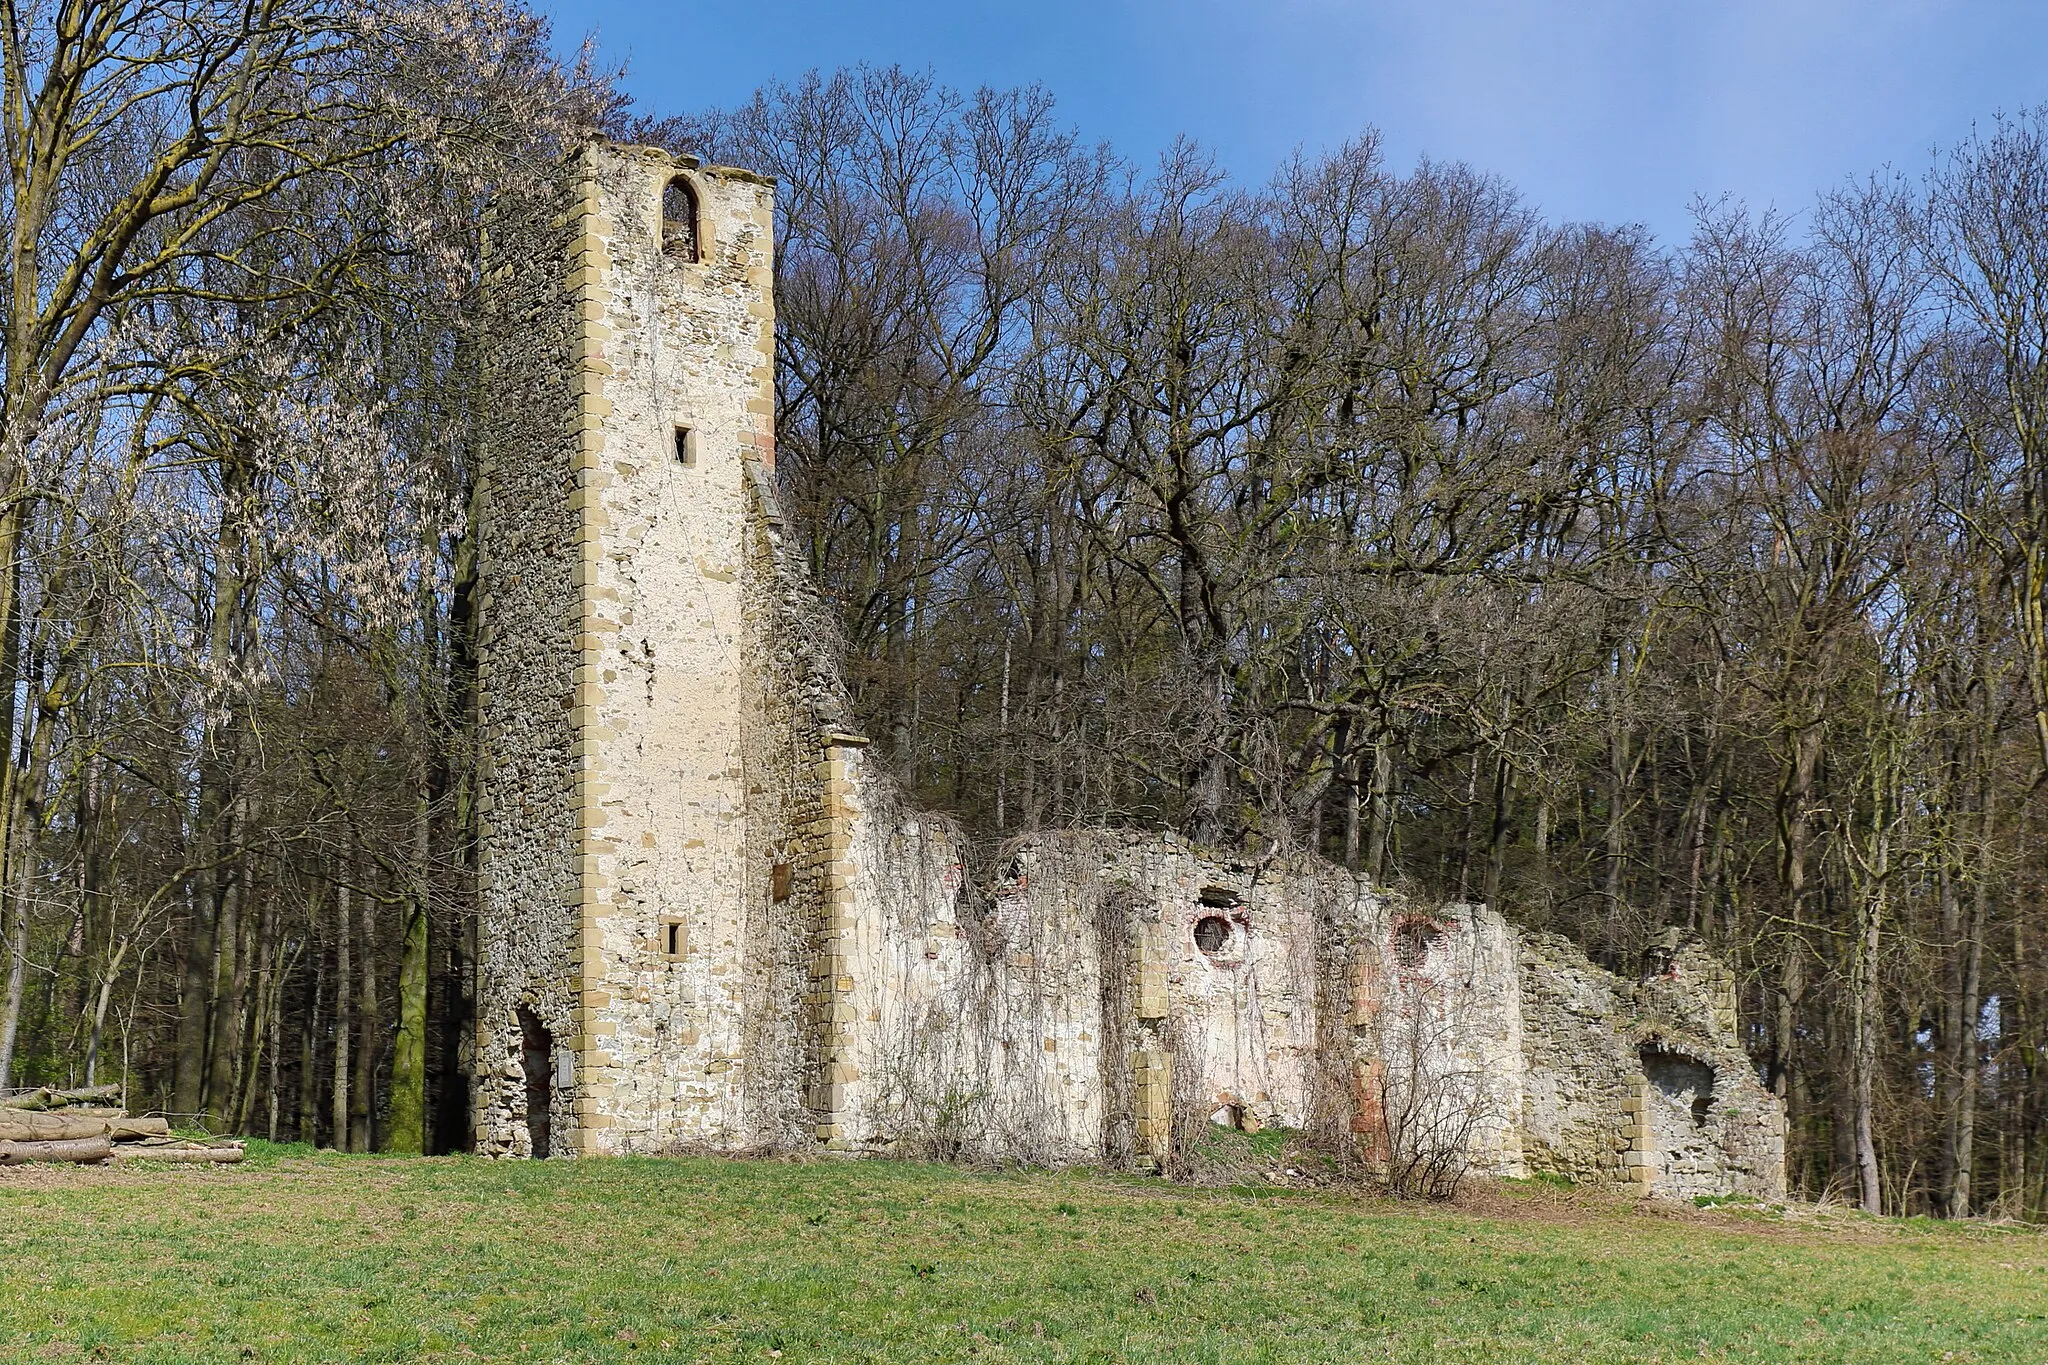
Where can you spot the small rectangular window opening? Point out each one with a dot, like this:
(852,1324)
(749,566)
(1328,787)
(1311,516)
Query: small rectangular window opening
(778,882)
(675,938)
(686,446)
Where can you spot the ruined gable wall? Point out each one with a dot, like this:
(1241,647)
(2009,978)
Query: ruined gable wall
(1442,1031)
(979,1028)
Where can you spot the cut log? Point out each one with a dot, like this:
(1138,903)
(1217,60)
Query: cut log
(46,1098)
(190,1154)
(77,1149)
(61,1126)
(123,1130)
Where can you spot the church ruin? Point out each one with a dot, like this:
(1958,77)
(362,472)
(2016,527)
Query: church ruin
(707,919)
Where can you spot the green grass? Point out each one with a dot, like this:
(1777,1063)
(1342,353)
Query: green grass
(295,1257)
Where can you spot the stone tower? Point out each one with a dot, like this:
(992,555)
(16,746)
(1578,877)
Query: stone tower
(625,506)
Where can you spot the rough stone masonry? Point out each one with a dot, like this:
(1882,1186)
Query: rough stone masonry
(707,920)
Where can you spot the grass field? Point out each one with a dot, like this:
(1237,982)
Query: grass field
(296,1258)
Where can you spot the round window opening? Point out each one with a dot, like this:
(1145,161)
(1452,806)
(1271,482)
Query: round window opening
(1212,934)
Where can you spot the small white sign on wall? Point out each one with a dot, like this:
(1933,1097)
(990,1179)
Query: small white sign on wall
(565,1069)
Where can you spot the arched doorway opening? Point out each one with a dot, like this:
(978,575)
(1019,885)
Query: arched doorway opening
(536,1060)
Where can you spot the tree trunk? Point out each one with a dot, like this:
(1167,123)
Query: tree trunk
(16,959)
(230,1000)
(1868,1009)
(1497,843)
(272,1079)
(1794,821)
(262,1042)
(456,1003)
(1615,845)
(1964,1070)
(1949,1072)
(75,1149)
(368,1033)
(407,1131)
(309,1056)
(1379,845)
(1872,889)
(194,996)
(24,848)
(1353,800)
(63,1125)
(14,922)
(1471,820)
(1003,740)
(102,1000)
(339,1111)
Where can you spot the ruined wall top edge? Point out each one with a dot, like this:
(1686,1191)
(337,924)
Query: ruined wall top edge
(682,161)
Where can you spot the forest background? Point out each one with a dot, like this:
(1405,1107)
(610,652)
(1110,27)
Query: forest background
(1626,585)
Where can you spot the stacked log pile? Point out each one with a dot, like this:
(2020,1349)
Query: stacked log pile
(87,1126)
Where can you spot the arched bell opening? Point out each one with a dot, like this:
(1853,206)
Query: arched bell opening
(680,237)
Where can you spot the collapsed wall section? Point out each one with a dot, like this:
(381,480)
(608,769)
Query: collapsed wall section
(1643,1083)
(805,784)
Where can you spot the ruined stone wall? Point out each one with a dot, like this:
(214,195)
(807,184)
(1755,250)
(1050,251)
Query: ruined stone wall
(793,704)
(1071,1011)
(1643,1083)
(527,565)
(1078,1009)
(979,1028)
(1442,1032)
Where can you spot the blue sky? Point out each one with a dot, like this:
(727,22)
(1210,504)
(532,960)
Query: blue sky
(1603,109)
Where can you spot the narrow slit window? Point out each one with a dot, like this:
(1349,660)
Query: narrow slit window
(679,220)
(675,938)
(686,447)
